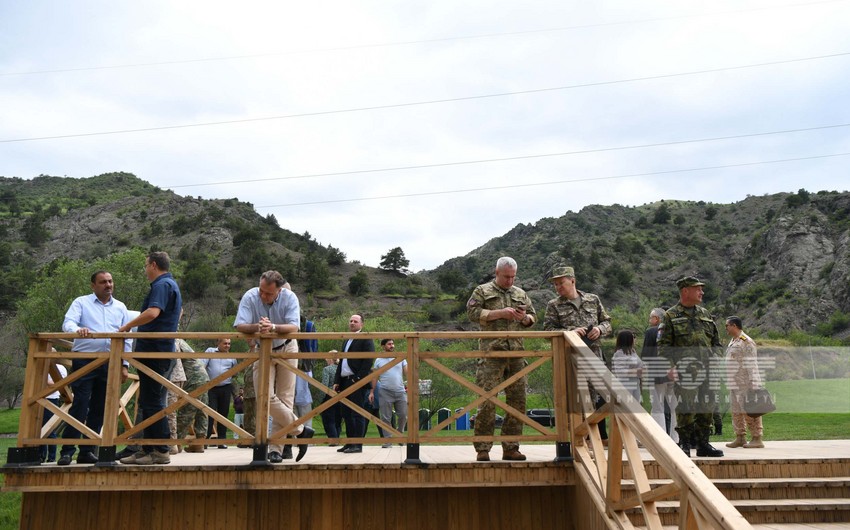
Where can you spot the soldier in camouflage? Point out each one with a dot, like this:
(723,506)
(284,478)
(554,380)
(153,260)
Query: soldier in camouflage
(196,376)
(689,341)
(178,377)
(249,403)
(575,310)
(500,306)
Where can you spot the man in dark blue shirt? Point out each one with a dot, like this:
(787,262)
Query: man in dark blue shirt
(160,313)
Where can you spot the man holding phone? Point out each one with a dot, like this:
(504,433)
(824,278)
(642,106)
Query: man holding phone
(500,306)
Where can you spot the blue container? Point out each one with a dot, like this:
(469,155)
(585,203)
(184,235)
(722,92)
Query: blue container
(462,423)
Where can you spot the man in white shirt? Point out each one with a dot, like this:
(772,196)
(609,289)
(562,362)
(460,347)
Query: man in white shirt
(220,395)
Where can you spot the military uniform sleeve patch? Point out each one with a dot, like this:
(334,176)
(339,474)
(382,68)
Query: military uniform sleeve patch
(472,303)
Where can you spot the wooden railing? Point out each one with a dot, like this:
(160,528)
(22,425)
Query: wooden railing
(701,505)
(576,433)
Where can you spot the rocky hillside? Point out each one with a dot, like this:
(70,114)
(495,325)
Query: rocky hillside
(220,246)
(781,261)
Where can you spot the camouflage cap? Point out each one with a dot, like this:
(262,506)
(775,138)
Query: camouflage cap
(688,281)
(560,272)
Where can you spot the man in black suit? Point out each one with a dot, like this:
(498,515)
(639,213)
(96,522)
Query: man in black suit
(349,372)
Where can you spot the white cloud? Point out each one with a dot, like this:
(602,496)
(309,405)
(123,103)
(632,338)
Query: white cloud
(318,57)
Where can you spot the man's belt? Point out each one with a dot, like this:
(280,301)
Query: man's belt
(282,346)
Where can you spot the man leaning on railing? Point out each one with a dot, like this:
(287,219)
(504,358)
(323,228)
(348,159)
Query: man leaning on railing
(98,312)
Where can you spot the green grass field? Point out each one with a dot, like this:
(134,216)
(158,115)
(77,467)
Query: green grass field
(806,410)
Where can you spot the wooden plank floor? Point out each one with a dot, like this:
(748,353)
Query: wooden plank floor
(459,454)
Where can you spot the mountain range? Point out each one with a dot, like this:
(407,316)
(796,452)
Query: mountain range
(780,261)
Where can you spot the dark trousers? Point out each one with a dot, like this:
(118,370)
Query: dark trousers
(603,431)
(47,453)
(152,401)
(332,420)
(219,398)
(87,407)
(355,424)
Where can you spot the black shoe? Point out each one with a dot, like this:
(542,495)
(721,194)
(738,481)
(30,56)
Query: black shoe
(705,449)
(343,449)
(222,447)
(86,458)
(302,449)
(287,452)
(354,449)
(130,450)
(686,447)
(64,460)
(275,458)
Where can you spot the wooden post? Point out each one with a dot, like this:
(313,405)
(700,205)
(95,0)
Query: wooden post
(106,454)
(574,405)
(413,402)
(261,391)
(29,425)
(561,386)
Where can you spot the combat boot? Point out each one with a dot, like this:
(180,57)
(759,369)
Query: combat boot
(755,443)
(740,440)
(686,447)
(705,449)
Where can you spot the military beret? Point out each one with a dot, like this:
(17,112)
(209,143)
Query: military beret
(688,281)
(560,272)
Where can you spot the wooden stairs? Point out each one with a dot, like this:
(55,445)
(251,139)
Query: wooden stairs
(779,491)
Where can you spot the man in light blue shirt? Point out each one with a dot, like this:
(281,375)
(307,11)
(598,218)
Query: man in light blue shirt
(220,395)
(98,312)
(392,394)
(272,308)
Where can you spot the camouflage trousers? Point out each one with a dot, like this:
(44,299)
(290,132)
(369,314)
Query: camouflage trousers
(694,414)
(741,422)
(491,372)
(189,415)
(170,399)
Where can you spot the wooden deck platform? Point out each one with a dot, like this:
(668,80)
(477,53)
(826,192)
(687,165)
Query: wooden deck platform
(374,489)
(446,466)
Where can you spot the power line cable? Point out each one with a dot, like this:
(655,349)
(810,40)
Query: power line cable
(552,183)
(402,43)
(510,158)
(427,102)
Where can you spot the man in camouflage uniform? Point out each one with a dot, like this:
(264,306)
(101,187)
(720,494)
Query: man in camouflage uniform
(196,376)
(249,397)
(500,306)
(689,341)
(178,377)
(575,310)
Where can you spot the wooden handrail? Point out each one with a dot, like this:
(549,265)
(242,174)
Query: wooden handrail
(701,505)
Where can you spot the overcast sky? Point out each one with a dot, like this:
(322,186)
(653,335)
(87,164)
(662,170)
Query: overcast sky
(293,106)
